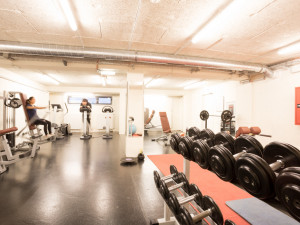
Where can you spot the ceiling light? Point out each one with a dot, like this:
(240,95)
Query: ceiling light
(186,83)
(105,72)
(154,1)
(68,14)
(195,85)
(221,20)
(50,79)
(290,49)
(154,82)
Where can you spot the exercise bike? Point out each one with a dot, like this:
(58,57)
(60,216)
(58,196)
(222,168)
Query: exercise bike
(85,135)
(108,110)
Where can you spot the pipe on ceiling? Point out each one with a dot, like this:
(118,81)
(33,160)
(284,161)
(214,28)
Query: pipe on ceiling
(131,56)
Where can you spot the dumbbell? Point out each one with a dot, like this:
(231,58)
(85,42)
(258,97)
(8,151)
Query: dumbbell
(229,222)
(222,160)
(195,195)
(287,188)
(212,210)
(176,138)
(202,147)
(173,176)
(186,143)
(181,183)
(174,142)
(257,175)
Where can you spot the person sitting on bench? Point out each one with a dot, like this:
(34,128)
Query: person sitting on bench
(31,110)
(85,104)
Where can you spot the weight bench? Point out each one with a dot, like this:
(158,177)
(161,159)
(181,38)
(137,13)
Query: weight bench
(148,123)
(32,127)
(7,157)
(250,131)
(166,129)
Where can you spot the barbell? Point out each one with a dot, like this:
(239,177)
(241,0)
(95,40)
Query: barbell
(226,115)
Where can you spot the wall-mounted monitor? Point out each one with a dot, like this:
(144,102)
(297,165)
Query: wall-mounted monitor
(105,100)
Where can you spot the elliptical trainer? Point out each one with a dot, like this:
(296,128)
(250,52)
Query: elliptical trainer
(85,135)
(108,110)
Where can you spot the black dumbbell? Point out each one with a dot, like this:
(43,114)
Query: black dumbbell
(202,147)
(181,183)
(174,142)
(186,143)
(195,195)
(287,188)
(211,210)
(229,222)
(173,176)
(222,160)
(257,175)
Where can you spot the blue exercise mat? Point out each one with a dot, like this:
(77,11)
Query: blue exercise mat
(257,212)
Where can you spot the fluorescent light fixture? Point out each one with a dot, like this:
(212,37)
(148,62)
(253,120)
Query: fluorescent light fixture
(107,72)
(50,79)
(290,49)
(195,85)
(155,82)
(223,20)
(68,14)
(104,81)
(186,83)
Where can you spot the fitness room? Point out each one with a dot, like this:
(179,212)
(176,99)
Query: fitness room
(160,112)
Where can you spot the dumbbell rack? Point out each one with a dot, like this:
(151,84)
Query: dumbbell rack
(168,219)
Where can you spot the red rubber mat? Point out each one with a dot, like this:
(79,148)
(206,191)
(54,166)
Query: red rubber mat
(208,183)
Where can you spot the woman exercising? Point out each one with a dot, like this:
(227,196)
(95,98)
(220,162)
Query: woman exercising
(85,104)
(35,119)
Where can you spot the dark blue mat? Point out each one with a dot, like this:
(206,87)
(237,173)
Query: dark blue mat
(257,212)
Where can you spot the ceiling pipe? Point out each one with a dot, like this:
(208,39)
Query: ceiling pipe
(131,56)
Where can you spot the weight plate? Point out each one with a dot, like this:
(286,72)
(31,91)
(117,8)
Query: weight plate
(255,175)
(282,151)
(249,144)
(229,222)
(200,153)
(222,162)
(156,178)
(173,204)
(184,217)
(287,187)
(194,132)
(185,148)
(208,135)
(173,169)
(216,214)
(174,142)
(225,139)
(194,190)
(226,116)
(204,115)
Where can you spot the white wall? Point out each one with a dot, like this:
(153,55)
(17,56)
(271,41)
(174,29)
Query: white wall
(269,104)
(214,99)
(272,107)
(74,116)
(172,105)
(10,82)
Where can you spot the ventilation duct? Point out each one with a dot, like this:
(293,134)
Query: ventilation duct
(131,56)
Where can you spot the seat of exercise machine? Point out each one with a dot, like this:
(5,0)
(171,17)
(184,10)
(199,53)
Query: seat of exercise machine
(8,130)
(150,118)
(165,122)
(24,98)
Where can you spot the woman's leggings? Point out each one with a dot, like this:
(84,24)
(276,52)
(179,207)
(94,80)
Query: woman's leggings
(45,123)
